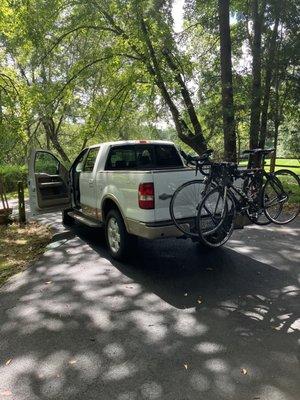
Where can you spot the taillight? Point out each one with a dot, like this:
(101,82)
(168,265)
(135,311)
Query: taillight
(146,195)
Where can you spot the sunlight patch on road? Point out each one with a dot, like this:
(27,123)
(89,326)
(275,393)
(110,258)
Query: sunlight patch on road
(210,347)
(187,325)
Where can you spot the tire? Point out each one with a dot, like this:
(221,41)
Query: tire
(216,227)
(285,186)
(66,219)
(184,206)
(119,242)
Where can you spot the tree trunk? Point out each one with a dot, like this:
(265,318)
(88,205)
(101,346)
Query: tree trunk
(194,139)
(226,77)
(1,110)
(277,117)
(273,157)
(268,80)
(238,138)
(47,141)
(51,132)
(258,17)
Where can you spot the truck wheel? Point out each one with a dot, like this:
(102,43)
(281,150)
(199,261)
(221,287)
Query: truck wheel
(66,219)
(118,240)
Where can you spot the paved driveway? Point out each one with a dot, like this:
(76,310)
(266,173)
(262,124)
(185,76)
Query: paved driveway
(175,323)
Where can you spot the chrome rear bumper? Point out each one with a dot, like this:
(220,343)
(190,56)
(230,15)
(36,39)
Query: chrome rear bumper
(152,230)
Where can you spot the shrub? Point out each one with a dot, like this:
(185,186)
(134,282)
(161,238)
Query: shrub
(11,174)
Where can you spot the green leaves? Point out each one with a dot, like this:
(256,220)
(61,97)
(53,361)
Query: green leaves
(87,67)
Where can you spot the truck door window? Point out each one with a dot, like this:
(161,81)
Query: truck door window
(79,163)
(46,163)
(90,160)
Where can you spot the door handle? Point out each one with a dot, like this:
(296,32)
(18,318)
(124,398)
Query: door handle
(91,182)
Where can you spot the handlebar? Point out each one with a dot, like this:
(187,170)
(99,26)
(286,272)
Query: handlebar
(200,167)
(200,162)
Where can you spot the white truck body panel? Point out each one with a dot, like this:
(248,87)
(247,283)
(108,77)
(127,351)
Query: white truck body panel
(123,186)
(165,183)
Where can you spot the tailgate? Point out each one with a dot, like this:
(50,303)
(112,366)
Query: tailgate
(165,184)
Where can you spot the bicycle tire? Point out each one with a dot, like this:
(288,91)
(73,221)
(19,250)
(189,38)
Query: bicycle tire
(288,184)
(183,214)
(219,235)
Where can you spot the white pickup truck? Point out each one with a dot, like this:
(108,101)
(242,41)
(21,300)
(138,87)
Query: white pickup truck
(123,186)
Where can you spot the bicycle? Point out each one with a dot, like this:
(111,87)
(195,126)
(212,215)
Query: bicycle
(185,201)
(252,185)
(260,179)
(219,206)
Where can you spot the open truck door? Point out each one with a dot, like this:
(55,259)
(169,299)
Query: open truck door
(48,183)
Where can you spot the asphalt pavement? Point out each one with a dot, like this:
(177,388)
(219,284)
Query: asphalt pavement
(173,323)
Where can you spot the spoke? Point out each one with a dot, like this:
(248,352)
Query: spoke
(217,203)
(210,214)
(271,201)
(274,183)
(271,204)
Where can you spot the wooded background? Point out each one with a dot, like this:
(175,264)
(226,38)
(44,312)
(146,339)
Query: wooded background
(74,73)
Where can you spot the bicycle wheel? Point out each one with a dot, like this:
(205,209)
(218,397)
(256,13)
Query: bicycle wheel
(215,219)
(282,190)
(252,187)
(184,206)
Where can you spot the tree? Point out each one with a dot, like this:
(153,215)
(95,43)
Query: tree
(269,71)
(159,56)
(226,78)
(258,11)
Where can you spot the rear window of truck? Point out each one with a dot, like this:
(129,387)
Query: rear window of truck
(143,157)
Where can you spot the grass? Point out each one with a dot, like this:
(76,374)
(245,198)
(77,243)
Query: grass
(285,163)
(14,195)
(19,246)
(282,163)
(291,187)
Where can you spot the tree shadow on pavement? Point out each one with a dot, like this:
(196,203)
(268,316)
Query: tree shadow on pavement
(175,323)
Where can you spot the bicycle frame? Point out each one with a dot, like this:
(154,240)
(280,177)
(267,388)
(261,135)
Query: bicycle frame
(260,174)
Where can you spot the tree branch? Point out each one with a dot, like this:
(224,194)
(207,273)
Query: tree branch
(78,73)
(107,106)
(64,35)
(185,93)
(59,123)
(154,70)
(4,77)
(121,107)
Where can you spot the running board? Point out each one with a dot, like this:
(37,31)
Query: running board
(83,219)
